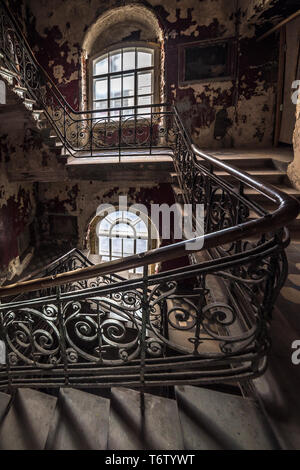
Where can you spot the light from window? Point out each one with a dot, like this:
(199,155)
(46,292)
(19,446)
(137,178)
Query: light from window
(122,234)
(2,92)
(123,78)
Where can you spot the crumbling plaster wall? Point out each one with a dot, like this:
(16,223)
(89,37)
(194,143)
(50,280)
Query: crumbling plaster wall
(294,167)
(255,8)
(17,210)
(81,199)
(242,107)
(23,156)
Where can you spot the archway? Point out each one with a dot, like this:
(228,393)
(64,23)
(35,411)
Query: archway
(134,226)
(130,24)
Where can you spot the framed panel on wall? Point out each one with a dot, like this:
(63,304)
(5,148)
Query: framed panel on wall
(206,61)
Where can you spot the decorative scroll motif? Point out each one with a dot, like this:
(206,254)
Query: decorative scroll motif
(69,262)
(105,327)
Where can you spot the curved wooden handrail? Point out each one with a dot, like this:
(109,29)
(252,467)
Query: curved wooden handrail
(287,210)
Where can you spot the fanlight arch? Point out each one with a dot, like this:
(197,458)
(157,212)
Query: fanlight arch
(114,227)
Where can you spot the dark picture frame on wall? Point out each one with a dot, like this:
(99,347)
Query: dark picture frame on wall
(206,61)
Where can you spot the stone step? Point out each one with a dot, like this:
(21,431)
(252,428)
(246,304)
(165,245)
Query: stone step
(245,163)
(268,175)
(27,423)
(157,428)
(4,402)
(213,420)
(21,91)
(8,75)
(29,103)
(80,422)
(37,113)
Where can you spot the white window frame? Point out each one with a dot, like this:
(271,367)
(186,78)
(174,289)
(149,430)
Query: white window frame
(107,233)
(155,68)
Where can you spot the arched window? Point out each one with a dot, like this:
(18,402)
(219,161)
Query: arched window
(124,77)
(122,234)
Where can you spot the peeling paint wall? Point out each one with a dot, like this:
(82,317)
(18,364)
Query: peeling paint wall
(22,154)
(253,9)
(80,199)
(294,167)
(57,30)
(17,209)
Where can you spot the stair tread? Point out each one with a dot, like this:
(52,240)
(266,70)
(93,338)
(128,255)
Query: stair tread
(213,420)
(80,422)
(19,87)
(158,429)
(4,401)
(27,423)
(284,189)
(7,71)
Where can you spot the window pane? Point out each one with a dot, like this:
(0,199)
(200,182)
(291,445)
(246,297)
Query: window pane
(139,270)
(127,102)
(104,225)
(145,59)
(123,230)
(128,246)
(115,104)
(129,59)
(101,66)
(131,216)
(144,100)
(104,246)
(128,85)
(116,246)
(100,89)
(141,246)
(115,215)
(144,83)
(100,105)
(141,228)
(115,87)
(115,60)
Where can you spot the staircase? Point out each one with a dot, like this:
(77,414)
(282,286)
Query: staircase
(195,419)
(36,115)
(77,328)
(265,165)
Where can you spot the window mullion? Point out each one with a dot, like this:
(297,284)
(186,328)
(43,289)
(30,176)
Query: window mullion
(110,248)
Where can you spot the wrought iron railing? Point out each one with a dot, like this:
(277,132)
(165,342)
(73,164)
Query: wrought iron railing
(164,328)
(160,329)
